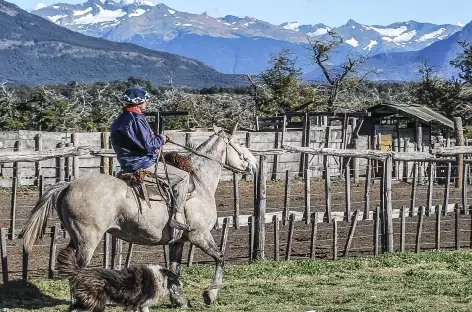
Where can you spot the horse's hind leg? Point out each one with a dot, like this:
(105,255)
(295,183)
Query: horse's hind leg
(176,296)
(206,243)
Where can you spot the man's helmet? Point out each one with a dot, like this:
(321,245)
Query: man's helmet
(135,96)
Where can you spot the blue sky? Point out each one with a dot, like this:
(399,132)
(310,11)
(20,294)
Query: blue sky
(330,12)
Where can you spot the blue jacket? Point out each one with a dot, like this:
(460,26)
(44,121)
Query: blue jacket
(133,141)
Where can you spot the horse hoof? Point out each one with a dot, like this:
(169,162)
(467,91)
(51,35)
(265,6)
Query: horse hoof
(209,296)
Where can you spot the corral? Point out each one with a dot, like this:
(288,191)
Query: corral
(324,211)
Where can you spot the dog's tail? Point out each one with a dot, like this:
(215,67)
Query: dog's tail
(67,263)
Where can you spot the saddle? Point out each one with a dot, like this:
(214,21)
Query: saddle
(149,187)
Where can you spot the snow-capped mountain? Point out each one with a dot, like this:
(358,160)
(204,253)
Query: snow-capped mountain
(34,51)
(232,44)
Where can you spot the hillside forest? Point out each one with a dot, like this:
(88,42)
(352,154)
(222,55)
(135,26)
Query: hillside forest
(277,90)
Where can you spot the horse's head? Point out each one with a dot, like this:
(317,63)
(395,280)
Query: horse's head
(237,155)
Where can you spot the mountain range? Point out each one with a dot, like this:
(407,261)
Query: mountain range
(34,50)
(240,45)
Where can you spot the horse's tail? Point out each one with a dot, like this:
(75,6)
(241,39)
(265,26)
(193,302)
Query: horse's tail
(67,263)
(37,222)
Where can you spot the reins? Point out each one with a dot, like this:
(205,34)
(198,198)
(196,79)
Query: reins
(228,167)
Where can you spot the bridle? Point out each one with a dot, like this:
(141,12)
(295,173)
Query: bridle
(228,142)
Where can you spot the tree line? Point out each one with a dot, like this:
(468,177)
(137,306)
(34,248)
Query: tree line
(277,90)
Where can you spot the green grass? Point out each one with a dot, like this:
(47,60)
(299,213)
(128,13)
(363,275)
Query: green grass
(396,282)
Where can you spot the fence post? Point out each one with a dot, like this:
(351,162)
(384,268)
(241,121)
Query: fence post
(251,227)
(105,163)
(275,220)
(420,228)
(376,230)
(368,178)
(347,190)
(38,142)
(236,178)
(352,230)
(52,250)
(402,229)
(25,265)
(224,235)
(291,225)
(446,191)
(459,133)
(14,194)
(76,164)
(307,213)
(259,213)
(285,211)
(388,202)
(314,230)
(4,255)
(464,188)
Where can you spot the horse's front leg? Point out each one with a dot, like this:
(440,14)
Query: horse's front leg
(206,243)
(176,296)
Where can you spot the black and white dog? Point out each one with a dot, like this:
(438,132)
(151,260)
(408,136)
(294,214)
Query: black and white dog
(135,287)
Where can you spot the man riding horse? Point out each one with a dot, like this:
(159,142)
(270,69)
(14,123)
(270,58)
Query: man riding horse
(137,148)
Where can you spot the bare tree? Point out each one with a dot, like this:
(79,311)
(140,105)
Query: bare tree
(343,78)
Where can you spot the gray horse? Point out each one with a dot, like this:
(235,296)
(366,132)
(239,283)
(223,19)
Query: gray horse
(93,205)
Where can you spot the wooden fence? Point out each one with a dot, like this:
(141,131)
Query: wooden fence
(260,223)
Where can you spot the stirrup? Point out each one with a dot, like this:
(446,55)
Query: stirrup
(177,225)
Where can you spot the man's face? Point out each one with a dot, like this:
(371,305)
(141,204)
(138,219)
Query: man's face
(142,106)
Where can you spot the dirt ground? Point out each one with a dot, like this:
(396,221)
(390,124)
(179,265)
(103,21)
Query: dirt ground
(237,250)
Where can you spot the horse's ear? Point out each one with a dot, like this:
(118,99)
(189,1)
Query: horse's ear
(216,128)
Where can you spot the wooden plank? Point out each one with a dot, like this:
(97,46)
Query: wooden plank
(291,226)
(314,230)
(236,178)
(352,230)
(4,254)
(276,238)
(52,250)
(286,197)
(388,203)
(419,230)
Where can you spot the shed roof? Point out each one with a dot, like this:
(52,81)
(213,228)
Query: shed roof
(423,113)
